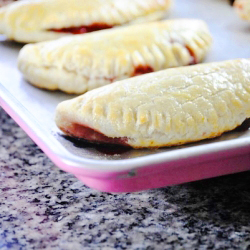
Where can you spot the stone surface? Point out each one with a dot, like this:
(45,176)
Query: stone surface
(42,207)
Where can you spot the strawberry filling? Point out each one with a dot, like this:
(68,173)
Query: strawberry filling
(192,54)
(91,135)
(142,69)
(83,29)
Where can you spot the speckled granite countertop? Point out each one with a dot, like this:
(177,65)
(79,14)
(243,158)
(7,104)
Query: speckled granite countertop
(44,208)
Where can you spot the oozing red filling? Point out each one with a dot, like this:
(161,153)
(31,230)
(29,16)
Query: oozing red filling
(83,29)
(92,135)
(142,69)
(192,54)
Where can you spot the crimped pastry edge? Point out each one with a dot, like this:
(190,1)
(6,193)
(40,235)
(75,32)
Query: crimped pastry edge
(71,82)
(65,119)
(22,36)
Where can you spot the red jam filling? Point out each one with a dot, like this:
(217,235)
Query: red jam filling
(89,134)
(192,54)
(83,29)
(142,69)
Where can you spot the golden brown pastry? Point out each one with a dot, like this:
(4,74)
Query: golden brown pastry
(80,63)
(165,108)
(243,8)
(40,20)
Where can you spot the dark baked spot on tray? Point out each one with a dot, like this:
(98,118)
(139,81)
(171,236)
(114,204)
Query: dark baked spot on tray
(109,149)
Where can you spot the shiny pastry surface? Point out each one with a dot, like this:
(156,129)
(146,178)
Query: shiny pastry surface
(80,63)
(165,108)
(40,20)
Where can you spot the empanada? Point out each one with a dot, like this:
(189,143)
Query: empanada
(40,20)
(165,108)
(243,8)
(80,63)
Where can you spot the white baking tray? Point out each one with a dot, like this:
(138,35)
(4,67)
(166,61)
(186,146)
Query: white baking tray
(33,109)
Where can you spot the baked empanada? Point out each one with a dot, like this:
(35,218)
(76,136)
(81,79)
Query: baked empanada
(40,20)
(80,63)
(243,8)
(165,108)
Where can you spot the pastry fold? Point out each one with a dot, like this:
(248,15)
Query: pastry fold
(80,63)
(243,8)
(40,20)
(165,108)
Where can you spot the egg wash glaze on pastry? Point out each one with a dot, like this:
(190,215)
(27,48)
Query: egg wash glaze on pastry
(80,63)
(40,20)
(165,108)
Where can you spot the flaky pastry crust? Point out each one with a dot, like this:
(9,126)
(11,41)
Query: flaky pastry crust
(84,62)
(36,20)
(165,108)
